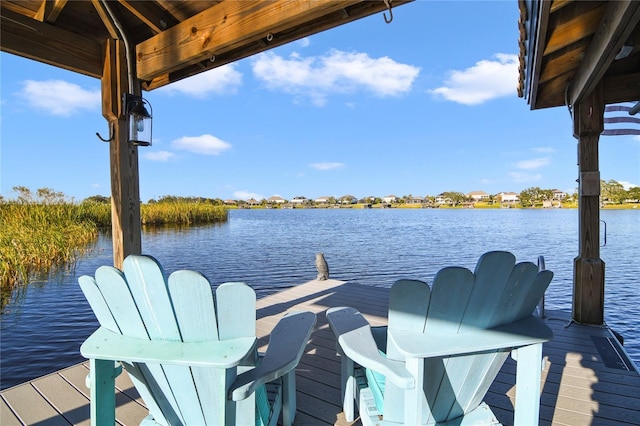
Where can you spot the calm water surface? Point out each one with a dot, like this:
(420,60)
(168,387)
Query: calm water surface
(44,324)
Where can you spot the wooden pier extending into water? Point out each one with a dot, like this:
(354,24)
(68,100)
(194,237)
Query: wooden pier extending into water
(588,379)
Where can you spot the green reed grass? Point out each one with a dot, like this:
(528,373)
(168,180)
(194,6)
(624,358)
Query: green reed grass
(182,213)
(37,236)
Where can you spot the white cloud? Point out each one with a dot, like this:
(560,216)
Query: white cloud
(245,195)
(160,156)
(486,80)
(524,177)
(535,163)
(221,80)
(204,144)
(304,42)
(336,72)
(59,97)
(326,166)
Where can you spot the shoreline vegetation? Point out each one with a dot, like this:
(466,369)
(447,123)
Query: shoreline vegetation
(43,230)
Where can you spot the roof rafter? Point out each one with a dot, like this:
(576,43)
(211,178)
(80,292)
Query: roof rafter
(152,15)
(46,43)
(224,27)
(49,10)
(617,24)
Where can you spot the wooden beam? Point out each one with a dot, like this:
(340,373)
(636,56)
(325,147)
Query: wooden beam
(567,33)
(623,88)
(588,278)
(223,27)
(125,193)
(617,24)
(106,20)
(49,10)
(42,42)
(340,17)
(149,13)
(537,40)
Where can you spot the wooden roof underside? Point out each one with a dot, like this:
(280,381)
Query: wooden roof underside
(567,47)
(172,39)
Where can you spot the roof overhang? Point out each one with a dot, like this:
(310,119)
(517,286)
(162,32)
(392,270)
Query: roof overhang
(170,40)
(568,47)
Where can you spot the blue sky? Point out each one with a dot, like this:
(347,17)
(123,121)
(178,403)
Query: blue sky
(413,107)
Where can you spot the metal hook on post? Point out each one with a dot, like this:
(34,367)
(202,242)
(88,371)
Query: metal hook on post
(110,134)
(388,4)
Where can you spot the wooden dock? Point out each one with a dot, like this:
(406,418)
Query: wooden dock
(588,379)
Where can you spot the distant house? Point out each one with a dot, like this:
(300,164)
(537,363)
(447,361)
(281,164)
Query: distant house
(558,195)
(442,200)
(323,200)
(348,199)
(276,200)
(298,201)
(478,196)
(415,200)
(253,202)
(389,199)
(508,197)
(230,202)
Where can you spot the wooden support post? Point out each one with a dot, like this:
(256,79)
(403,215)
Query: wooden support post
(125,193)
(588,268)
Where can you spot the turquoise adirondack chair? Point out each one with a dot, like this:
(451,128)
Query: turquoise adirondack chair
(444,346)
(191,354)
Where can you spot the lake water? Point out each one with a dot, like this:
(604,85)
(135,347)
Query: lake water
(44,324)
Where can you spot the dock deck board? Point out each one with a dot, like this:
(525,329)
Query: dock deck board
(578,388)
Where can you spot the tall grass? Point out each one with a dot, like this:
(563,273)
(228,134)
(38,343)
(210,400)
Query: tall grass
(182,213)
(35,236)
(38,236)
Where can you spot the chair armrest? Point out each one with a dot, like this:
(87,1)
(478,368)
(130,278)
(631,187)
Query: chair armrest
(107,345)
(286,346)
(525,332)
(357,343)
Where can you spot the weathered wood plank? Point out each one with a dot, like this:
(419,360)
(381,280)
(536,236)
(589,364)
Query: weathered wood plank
(31,407)
(6,415)
(66,399)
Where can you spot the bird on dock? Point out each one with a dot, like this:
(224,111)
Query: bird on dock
(322,267)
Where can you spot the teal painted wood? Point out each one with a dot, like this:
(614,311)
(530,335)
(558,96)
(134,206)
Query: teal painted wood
(194,307)
(184,346)
(408,305)
(110,298)
(102,382)
(235,301)
(472,322)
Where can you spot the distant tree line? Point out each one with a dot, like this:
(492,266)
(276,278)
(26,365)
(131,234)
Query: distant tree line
(611,192)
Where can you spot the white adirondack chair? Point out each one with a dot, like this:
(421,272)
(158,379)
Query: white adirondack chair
(444,346)
(191,354)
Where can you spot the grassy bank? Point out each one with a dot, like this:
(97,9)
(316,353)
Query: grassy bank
(37,236)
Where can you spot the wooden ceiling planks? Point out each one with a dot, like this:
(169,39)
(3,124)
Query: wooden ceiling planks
(49,44)
(568,46)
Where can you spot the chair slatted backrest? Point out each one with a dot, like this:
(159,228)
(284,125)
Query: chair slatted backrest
(141,303)
(498,292)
